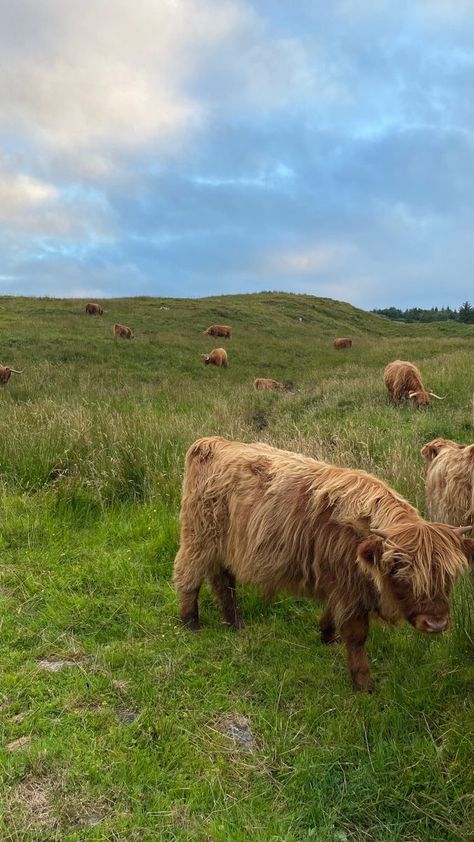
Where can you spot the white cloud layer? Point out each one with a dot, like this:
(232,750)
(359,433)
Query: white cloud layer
(180,146)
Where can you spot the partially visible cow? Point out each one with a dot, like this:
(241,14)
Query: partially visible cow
(219,330)
(94,309)
(122,331)
(263,383)
(343,343)
(449,481)
(403,381)
(217,357)
(282,521)
(6,373)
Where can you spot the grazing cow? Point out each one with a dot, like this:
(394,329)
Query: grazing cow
(122,331)
(343,343)
(219,330)
(282,521)
(263,383)
(449,481)
(403,381)
(217,357)
(6,373)
(94,309)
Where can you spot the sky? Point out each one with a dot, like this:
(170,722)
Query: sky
(203,147)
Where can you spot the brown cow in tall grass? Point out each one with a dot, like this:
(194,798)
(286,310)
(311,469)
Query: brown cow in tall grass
(403,381)
(285,522)
(449,481)
(266,383)
(6,373)
(216,357)
(219,330)
(342,343)
(122,331)
(94,309)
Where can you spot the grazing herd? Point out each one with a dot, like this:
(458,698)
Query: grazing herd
(285,522)
(257,515)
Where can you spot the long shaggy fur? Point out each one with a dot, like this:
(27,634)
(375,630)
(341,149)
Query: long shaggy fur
(342,343)
(449,481)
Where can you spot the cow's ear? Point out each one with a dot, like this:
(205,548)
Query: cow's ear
(369,552)
(430,451)
(468,547)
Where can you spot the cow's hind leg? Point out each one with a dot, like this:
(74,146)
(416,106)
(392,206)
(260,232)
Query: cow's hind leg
(189,574)
(354,633)
(222,583)
(327,627)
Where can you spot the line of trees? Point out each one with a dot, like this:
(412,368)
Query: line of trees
(434,314)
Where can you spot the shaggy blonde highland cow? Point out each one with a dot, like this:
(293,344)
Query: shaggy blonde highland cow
(284,522)
(449,481)
(403,381)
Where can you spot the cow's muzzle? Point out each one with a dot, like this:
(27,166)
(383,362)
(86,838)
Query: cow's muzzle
(430,625)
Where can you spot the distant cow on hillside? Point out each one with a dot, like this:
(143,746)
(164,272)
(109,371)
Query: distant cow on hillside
(403,381)
(219,330)
(122,331)
(285,522)
(94,309)
(6,373)
(343,343)
(265,383)
(449,481)
(217,357)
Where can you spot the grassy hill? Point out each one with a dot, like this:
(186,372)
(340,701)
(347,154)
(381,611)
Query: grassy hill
(125,721)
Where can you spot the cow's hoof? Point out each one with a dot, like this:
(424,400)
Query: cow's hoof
(329,638)
(236,623)
(191,623)
(363,683)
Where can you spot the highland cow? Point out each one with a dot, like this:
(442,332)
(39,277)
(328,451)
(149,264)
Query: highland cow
(285,522)
(94,309)
(265,383)
(449,481)
(219,330)
(6,373)
(342,343)
(122,331)
(217,357)
(403,381)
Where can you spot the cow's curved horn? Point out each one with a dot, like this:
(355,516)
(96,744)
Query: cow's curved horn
(412,394)
(380,533)
(462,530)
(16,371)
(437,396)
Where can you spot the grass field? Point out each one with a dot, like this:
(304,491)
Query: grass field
(117,724)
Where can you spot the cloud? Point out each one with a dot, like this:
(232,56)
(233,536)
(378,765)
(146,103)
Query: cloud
(176,147)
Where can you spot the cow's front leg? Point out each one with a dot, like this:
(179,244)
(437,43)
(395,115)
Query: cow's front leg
(327,627)
(354,633)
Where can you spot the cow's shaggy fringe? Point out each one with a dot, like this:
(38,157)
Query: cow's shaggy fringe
(449,481)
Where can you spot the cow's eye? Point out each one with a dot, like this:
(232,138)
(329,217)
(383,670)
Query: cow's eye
(397,564)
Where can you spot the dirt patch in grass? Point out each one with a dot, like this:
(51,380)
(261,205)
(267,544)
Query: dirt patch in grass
(237,728)
(18,744)
(40,804)
(58,664)
(30,807)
